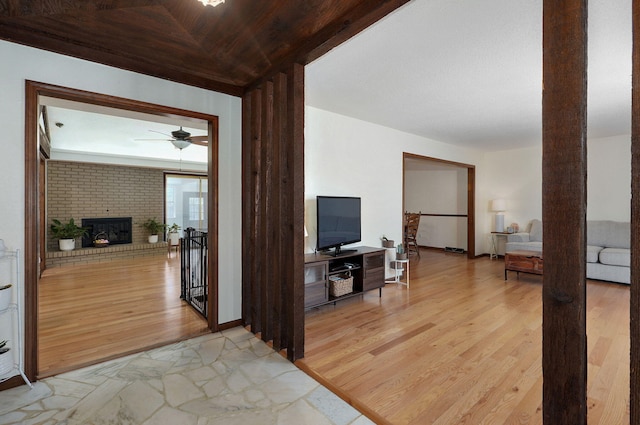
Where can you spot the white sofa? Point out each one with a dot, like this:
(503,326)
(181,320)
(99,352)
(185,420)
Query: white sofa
(608,248)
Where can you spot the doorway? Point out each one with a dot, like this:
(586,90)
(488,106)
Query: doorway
(34,206)
(447,206)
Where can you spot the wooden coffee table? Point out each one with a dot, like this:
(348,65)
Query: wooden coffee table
(523,261)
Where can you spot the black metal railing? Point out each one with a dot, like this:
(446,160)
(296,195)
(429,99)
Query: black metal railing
(193,269)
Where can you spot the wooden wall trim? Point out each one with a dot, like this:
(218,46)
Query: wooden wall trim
(273,211)
(32,220)
(564,197)
(634,401)
(471,196)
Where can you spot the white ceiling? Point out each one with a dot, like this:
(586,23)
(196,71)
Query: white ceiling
(114,132)
(469,72)
(465,72)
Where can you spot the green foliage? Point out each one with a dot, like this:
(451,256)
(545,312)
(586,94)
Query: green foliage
(68,230)
(153,226)
(173,228)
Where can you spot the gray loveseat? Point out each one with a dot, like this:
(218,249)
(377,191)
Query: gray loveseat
(608,248)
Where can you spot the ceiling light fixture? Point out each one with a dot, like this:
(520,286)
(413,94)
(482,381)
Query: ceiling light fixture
(213,3)
(181,144)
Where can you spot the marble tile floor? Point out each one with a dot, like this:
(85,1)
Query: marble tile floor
(229,378)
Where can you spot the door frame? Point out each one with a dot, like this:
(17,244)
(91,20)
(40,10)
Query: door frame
(33,207)
(471,195)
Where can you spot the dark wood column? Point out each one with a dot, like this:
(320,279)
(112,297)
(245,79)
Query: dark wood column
(564,200)
(273,211)
(634,401)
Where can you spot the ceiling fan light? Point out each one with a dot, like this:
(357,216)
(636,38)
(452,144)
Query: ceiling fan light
(213,3)
(180,144)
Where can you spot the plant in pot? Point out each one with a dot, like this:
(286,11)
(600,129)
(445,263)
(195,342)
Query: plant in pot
(154,228)
(5,296)
(174,236)
(387,243)
(67,233)
(6,359)
(400,254)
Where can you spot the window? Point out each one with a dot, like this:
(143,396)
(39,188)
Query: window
(186,201)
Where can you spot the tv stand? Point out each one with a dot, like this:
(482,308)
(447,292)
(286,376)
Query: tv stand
(365,264)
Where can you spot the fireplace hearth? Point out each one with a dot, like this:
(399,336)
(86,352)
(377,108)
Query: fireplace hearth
(117,229)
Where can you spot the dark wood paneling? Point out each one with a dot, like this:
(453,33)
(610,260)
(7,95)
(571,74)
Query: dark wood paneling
(254,204)
(247,213)
(634,401)
(225,48)
(274,208)
(294,187)
(279,248)
(267,213)
(564,197)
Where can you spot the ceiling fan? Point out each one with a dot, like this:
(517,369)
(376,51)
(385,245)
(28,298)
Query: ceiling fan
(182,139)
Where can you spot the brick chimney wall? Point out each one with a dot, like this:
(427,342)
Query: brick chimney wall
(83,190)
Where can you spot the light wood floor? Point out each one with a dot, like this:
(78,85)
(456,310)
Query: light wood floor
(91,313)
(462,346)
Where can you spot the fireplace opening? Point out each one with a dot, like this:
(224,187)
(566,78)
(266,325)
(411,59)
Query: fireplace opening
(117,230)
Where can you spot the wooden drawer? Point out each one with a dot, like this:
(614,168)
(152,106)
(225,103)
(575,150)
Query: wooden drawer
(374,279)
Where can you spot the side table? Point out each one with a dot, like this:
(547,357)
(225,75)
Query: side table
(493,243)
(401,267)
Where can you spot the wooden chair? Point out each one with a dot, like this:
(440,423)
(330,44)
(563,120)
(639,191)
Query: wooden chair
(412,221)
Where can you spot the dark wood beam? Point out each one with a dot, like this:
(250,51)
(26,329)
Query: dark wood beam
(294,231)
(564,200)
(273,211)
(267,213)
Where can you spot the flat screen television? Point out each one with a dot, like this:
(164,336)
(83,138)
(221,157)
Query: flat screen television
(338,222)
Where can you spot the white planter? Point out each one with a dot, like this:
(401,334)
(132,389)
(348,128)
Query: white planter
(174,238)
(5,298)
(6,362)
(153,238)
(67,244)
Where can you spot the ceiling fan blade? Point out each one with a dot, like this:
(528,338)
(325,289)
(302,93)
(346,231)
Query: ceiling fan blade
(199,142)
(159,132)
(199,138)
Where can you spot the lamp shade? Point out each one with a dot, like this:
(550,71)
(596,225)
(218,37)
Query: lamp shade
(498,205)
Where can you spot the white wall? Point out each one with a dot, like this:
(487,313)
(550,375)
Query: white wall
(349,157)
(516,175)
(38,65)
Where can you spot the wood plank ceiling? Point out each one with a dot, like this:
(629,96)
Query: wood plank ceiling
(224,48)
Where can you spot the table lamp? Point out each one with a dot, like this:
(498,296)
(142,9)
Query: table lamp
(499,206)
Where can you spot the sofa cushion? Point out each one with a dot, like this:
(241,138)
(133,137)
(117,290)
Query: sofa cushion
(535,234)
(527,246)
(592,253)
(616,257)
(609,234)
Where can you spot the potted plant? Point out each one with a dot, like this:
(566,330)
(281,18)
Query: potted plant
(67,233)
(174,236)
(387,243)
(400,254)
(6,359)
(154,228)
(5,296)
